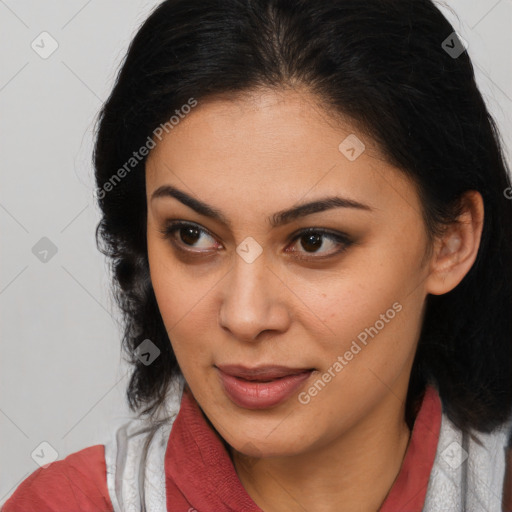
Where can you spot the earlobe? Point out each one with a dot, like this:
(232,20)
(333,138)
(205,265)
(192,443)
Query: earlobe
(456,250)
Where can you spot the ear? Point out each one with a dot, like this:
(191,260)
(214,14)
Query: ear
(456,250)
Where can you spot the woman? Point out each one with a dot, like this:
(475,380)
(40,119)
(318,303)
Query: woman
(305,206)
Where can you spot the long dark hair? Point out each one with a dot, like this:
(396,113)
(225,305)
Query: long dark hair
(384,64)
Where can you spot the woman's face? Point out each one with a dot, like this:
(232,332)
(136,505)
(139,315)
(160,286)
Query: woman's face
(340,308)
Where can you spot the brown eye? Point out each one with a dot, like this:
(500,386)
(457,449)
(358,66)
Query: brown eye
(313,240)
(187,234)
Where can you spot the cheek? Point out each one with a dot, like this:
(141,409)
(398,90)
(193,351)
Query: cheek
(331,308)
(367,315)
(174,290)
(338,305)
(173,296)
(185,304)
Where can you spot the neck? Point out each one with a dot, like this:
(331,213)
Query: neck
(352,472)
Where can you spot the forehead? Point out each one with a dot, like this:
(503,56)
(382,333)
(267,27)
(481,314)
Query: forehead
(264,119)
(282,144)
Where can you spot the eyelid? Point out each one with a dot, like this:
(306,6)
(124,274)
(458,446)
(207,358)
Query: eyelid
(340,238)
(171,227)
(339,235)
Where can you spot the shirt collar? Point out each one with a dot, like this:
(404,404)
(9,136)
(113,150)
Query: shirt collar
(198,463)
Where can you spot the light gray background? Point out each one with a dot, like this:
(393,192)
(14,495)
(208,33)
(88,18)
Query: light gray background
(62,378)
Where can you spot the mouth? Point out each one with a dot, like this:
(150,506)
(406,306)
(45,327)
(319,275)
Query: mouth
(261,387)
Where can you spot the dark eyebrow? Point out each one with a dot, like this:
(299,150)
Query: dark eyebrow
(277,219)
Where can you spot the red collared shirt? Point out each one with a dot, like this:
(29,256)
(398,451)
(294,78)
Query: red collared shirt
(200,475)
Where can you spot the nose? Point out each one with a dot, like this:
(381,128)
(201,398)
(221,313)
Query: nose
(253,301)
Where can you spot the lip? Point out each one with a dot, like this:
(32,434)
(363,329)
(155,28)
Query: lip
(261,387)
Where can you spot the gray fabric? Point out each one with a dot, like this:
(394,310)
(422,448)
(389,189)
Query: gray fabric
(134,458)
(465,476)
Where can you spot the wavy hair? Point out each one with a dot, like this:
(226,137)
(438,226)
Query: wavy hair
(380,63)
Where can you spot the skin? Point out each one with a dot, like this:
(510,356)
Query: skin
(250,157)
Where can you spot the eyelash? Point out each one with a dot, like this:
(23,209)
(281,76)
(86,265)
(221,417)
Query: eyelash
(337,237)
